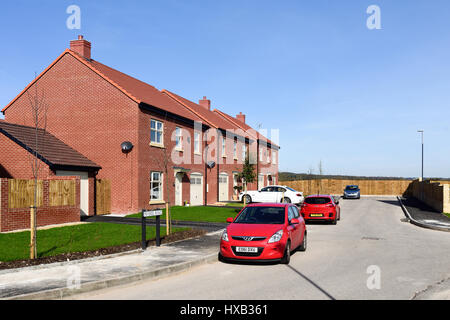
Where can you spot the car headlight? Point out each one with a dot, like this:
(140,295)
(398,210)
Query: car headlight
(276,237)
(225,236)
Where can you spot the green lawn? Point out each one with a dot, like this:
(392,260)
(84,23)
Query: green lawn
(447,214)
(206,214)
(235,204)
(79,238)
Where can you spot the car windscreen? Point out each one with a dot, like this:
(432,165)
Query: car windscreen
(351,188)
(317,200)
(262,215)
(291,189)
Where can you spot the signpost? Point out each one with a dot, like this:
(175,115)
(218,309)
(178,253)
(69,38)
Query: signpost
(151,213)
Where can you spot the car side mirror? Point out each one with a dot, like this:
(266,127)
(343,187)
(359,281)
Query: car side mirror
(295,221)
(229,220)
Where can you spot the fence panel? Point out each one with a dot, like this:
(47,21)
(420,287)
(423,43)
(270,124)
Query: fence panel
(337,186)
(21,193)
(62,193)
(103,196)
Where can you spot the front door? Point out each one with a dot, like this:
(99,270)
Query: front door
(179,189)
(260,181)
(223,187)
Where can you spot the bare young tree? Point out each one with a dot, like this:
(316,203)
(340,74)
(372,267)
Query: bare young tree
(38,110)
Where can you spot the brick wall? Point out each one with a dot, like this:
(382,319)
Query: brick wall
(15,161)
(16,219)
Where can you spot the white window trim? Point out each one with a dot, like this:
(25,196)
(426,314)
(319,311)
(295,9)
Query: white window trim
(155,143)
(235,150)
(178,135)
(160,181)
(224,147)
(197,139)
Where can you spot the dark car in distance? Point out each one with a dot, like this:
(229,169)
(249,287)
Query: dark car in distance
(352,192)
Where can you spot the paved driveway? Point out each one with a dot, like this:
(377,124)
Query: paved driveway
(340,262)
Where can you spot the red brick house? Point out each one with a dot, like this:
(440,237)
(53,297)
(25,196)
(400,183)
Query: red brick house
(181,151)
(57,160)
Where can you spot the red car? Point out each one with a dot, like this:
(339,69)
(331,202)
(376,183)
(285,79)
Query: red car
(264,232)
(321,207)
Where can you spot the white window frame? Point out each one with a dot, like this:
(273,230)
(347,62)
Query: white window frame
(261,154)
(160,182)
(197,149)
(156,130)
(235,150)
(244,152)
(274,157)
(178,139)
(224,150)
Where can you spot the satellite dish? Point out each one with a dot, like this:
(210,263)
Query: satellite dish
(127,146)
(210,164)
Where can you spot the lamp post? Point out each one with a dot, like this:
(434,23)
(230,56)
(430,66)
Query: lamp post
(421,132)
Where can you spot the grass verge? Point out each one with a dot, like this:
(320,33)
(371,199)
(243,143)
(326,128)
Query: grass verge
(205,214)
(79,238)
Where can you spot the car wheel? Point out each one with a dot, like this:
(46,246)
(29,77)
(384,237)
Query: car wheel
(287,254)
(248,199)
(286,200)
(220,257)
(304,243)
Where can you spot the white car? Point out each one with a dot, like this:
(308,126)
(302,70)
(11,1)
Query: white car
(273,194)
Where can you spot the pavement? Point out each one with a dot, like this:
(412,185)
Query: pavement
(60,280)
(423,215)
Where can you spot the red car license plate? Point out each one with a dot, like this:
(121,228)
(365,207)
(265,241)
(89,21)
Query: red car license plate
(247,249)
(316,215)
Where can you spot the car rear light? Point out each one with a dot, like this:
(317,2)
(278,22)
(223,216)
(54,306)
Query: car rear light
(298,194)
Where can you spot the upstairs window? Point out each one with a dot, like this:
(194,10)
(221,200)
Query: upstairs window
(178,138)
(156,132)
(196,142)
(223,147)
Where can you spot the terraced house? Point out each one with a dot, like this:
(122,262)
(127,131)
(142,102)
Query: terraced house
(153,146)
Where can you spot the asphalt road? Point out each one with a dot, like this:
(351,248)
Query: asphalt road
(369,254)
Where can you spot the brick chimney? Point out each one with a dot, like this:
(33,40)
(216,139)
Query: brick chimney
(82,47)
(241,117)
(205,103)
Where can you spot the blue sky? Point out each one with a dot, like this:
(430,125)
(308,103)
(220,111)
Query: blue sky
(337,91)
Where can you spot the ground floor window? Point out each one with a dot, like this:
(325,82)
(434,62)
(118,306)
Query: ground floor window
(156,186)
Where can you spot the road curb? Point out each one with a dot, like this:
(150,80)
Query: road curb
(418,223)
(61,293)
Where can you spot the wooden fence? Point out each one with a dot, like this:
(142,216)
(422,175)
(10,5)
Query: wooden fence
(21,193)
(434,194)
(335,186)
(62,193)
(103,196)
